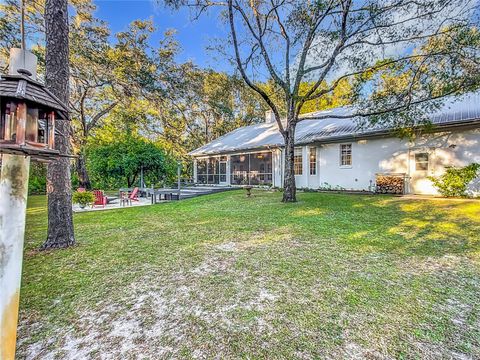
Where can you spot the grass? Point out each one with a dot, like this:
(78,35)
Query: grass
(224,276)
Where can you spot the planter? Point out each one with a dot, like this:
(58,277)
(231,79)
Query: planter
(248,188)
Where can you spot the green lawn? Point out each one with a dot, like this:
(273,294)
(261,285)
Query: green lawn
(224,276)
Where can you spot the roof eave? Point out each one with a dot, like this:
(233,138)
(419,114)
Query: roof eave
(332,139)
(235,151)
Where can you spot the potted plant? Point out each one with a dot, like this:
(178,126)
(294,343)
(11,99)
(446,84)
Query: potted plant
(83,198)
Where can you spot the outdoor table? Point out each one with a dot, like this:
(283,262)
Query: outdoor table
(163,194)
(123,191)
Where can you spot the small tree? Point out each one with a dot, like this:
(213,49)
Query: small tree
(121,161)
(454,182)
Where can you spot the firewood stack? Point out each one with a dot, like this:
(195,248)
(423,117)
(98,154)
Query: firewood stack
(390,183)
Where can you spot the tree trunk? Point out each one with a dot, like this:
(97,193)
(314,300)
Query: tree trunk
(289,187)
(59,188)
(82,173)
(131,181)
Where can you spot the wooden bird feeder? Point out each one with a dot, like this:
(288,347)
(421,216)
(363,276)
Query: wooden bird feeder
(27,117)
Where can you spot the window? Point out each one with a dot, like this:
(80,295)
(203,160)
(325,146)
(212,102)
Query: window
(31,131)
(421,161)
(313,161)
(8,123)
(297,161)
(346,155)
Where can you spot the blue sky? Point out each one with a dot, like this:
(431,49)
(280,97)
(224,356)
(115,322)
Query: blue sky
(193,36)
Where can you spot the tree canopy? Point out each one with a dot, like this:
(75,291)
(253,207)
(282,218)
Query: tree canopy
(396,57)
(118,163)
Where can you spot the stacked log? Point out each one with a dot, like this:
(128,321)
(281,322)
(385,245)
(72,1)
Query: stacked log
(390,184)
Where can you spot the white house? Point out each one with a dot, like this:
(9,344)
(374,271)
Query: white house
(340,153)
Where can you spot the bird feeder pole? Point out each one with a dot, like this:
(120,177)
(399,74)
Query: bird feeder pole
(22,138)
(13,206)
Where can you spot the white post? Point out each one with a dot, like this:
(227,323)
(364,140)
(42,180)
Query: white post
(195,174)
(13,207)
(228,169)
(179,177)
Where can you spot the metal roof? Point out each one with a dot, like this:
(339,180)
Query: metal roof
(22,87)
(454,111)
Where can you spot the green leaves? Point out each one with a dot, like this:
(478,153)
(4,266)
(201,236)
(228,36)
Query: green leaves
(455,181)
(83,198)
(119,162)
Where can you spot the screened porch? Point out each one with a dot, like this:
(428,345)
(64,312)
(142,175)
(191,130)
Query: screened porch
(242,169)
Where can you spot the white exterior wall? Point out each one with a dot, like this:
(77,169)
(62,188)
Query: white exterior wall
(277,164)
(456,148)
(305,180)
(372,156)
(368,158)
(383,155)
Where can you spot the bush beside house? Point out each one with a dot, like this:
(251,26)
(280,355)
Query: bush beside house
(454,182)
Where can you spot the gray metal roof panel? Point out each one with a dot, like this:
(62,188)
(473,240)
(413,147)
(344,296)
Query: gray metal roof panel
(311,129)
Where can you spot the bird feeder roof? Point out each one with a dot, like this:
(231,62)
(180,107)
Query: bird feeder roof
(23,87)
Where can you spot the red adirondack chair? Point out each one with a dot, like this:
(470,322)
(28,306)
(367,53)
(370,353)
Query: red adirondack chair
(100,198)
(134,195)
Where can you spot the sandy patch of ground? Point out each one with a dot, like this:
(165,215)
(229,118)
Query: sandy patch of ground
(157,317)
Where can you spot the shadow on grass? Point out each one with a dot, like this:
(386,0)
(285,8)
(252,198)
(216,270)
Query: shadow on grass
(389,224)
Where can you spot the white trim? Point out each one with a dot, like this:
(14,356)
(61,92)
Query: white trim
(235,153)
(349,166)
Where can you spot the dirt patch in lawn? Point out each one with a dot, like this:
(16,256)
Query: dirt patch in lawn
(160,316)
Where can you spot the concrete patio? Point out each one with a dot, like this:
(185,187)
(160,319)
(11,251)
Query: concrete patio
(185,193)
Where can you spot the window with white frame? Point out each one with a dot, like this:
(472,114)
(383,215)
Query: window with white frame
(297,161)
(421,162)
(313,161)
(346,155)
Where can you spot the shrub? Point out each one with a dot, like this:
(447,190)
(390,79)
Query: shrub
(37,183)
(118,163)
(83,198)
(455,180)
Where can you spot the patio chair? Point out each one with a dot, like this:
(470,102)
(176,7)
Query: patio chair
(133,195)
(81,190)
(100,198)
